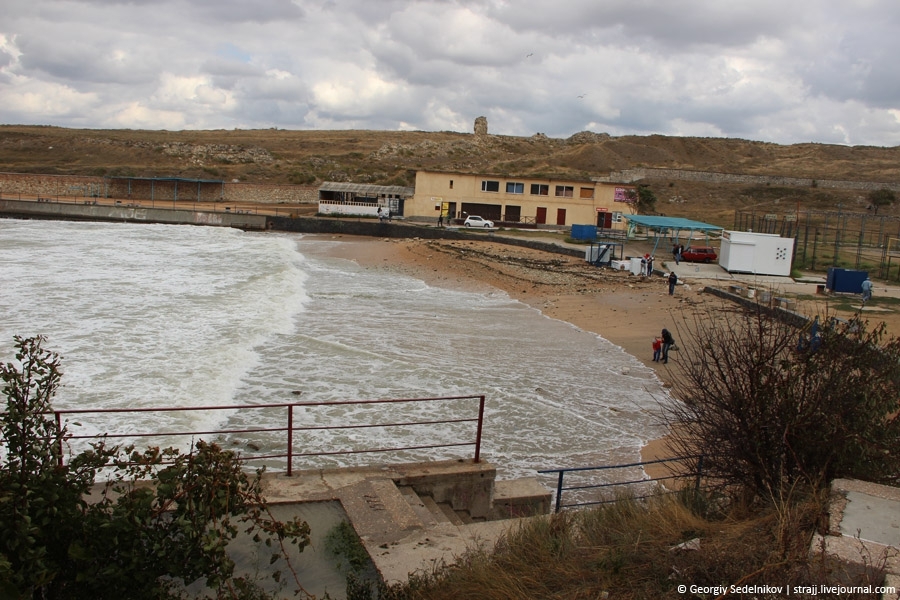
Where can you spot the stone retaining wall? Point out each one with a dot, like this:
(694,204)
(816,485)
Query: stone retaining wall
(632,175)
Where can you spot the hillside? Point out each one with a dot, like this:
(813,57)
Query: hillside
(392,157)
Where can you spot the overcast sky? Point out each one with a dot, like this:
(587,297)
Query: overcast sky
(783,71)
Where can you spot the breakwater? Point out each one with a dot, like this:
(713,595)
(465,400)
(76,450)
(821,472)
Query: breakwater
(89,211)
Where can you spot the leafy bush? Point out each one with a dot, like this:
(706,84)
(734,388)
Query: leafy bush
(768,412)
(161,521)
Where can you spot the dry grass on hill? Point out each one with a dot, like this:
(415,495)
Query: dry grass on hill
(392,157)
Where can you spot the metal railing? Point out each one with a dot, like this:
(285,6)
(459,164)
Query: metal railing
(290,427)
(591,486)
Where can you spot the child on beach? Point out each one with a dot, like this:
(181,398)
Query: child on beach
(657,348)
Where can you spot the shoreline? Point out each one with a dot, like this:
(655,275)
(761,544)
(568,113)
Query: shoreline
(625,310)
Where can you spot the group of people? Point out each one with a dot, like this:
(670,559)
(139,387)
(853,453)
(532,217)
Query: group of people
(646,265)
(384,214)
(661,346)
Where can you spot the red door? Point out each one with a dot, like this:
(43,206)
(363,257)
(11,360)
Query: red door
(604,220)
(560,216)
(541,217)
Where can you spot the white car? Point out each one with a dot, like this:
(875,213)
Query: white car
(474,221)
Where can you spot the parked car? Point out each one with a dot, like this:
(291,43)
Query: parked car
(703,254)
(475,221)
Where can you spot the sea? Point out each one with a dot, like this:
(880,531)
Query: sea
(148,316)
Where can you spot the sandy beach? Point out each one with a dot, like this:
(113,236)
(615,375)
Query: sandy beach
(627,310)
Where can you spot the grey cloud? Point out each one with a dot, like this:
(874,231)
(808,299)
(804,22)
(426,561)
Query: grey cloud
(83,62)
(670,24)
(765,69)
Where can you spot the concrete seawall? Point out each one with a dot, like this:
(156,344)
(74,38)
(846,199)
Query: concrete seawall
(62,211)
(119,213)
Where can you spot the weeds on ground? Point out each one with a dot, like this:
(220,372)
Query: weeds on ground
(641,549)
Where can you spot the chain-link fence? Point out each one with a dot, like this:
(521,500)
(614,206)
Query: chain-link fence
(847,240)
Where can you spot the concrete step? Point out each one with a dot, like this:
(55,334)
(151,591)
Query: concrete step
(449,513)
(426,515)
(379,512)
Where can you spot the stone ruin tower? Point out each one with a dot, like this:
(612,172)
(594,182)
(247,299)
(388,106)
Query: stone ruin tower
(481,126)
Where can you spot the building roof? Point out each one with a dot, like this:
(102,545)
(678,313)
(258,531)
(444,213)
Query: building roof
(520,177)
(365,188)
(676,223)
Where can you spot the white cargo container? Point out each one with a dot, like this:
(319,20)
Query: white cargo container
(756,253)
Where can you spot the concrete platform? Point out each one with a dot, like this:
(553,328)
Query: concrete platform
(863,529)
(416,517)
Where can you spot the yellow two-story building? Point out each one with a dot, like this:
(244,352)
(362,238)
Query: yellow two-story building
(525,200)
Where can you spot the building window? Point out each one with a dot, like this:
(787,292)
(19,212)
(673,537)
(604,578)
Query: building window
(565,191)
(515,188)
(617,217)
(586,193)
(490,186)
(451,184)
(539,189)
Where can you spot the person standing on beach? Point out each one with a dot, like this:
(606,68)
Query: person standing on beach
(673,279)
(667,342)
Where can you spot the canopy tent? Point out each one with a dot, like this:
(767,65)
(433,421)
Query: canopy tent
(665,225)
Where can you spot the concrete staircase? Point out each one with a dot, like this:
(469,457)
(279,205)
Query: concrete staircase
(415,517)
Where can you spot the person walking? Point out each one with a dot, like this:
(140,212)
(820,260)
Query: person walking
(866,290)
(673,279)
(441,220)
(667,342)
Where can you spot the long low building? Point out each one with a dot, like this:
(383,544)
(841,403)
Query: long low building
(524,200)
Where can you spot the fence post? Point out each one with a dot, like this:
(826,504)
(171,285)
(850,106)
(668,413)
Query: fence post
(58,418)
(478,433)
(290,440)
(559,491)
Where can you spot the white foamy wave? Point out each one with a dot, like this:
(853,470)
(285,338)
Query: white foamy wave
(148,315)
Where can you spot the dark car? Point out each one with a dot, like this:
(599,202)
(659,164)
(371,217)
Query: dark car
(703,254)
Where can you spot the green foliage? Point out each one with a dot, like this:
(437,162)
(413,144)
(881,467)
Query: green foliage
(881,197)
(344,544)
(301,177)
(643,200)
(769,414)
(163,519)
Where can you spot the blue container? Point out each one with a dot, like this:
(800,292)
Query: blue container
(584,232)
(845,280)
